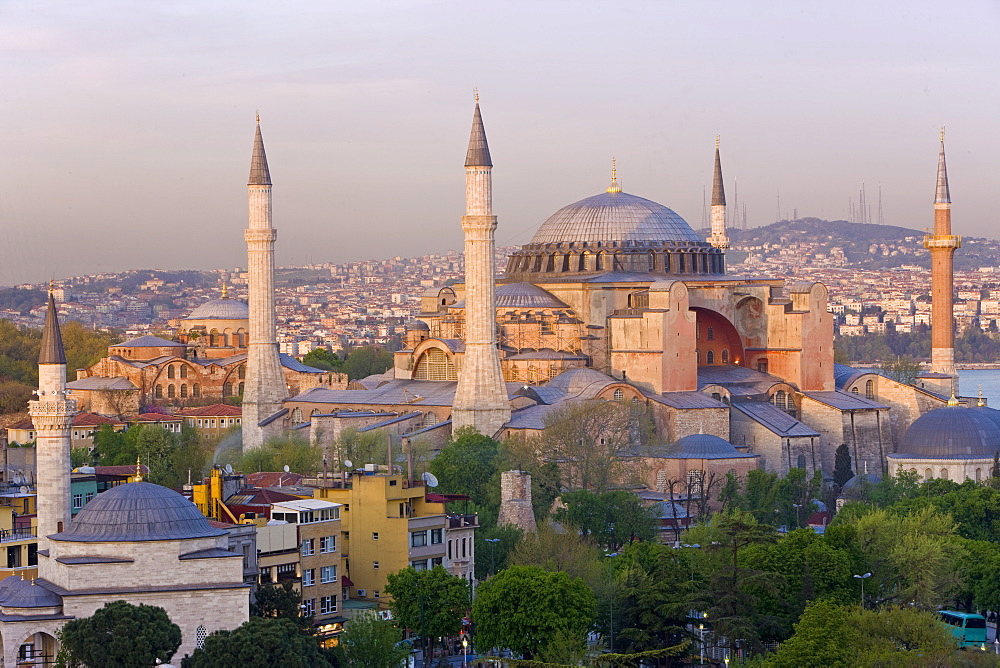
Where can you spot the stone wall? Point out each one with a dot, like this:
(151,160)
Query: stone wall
(515,500)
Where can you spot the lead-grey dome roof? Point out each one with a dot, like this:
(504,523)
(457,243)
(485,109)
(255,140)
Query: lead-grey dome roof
(221,309)
(953,432)
(614,216)
(18,593)
(705,446)
(138,511)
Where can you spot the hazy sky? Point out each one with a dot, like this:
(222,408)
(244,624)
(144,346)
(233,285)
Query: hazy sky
(127,126)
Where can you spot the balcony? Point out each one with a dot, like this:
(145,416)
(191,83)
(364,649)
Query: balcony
(25,533)
(463,521)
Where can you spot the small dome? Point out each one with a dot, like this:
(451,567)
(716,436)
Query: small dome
(856,487)
(149,341)
(138,511)
(221,309)
(526,295)
(704,446)
(575,381)
(417,325)
(27,594)
(953,431)
(614,216)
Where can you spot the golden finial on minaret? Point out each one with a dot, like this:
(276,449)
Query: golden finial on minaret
(941,134)
(258,117)
(138,470)
(475,92)
(52,285)
(614,187)
(980,402)
(716,142)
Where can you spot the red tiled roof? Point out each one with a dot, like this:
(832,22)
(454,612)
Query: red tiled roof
(221,525)
(272,479)
(156,417)
(215,410)
(23,424)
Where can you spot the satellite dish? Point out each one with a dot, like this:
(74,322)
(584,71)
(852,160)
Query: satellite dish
(348,463)
(23,490)
(286,469)
(430,479)
(229,469)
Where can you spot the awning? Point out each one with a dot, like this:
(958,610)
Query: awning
(434,497)
(345,581)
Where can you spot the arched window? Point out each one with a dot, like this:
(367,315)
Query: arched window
(184,371)
(195,390)
(928,474)
(297,416)
(171,392)
(979,475)
(240,389)
(725,357)
(170,371)
(870,389)
(227,390)
(430,419)
(213,338)
(711,333)
(435,364)
(242,371)
(184,390)
(710,356)
(779,399)
(762,365)
(855,390)
(635,401)
(800,461)
(695,481)
(158,393)
(619,395)
(944,474)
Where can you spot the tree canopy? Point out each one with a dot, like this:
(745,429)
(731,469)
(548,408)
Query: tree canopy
(371,642)
(260,643)
(430,602)
(120,634)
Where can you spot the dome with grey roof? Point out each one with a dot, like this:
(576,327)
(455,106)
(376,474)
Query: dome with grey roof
(417,325)
(221,309)
(582,379)
(138,511)
(526,295)
(614,216)
(27,594)
(705,446)
(953,432)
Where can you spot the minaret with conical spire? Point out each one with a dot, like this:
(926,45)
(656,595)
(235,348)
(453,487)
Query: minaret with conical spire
(52,416)
(265,388)
(481,396)
(718,237)
(942,244)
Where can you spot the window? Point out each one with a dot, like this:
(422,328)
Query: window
(855,390)
(309,577)
(762,366)
(711,333)
(374,535)
(619,395)
(928,474)
(327,544)
(199,636)
(77,501)
(418,539)
(88,497)
(419,565)
(327,574)
(436,561)
(437,536)
(195,390)
(171,392)
(227,390)
(801,461)
(184,372)
(710,357)
(979,475)
(944,474)
(725,357)
(308,607)
(158,393)
(375,594)
(696,480)
(308,547)
(170,371)
(184,389)
(328,605)
(375,565)
(870,389)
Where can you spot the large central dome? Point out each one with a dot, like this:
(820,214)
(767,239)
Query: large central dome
(614,216)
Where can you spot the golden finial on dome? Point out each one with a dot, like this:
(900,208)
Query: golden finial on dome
(138,470)
(954,400)
(614,187)
(980,402)
(225,290)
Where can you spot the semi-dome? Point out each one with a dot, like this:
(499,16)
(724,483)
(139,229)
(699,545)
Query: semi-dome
(705,446)
(526,295)
(138,511)
(221,309)
(614,216)
(953,432)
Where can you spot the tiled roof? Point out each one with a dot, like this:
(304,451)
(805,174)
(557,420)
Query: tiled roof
(101,383)
(395,392)
(79,420)
(845,401)
(121,470)
(215,410)
(148,341)
(685,400)
(773,418)
(157,417)
(272,479)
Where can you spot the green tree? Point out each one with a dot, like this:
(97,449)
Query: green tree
(903,369)
(292,451)
(494,555)
(260,643)
(524,608)
(280,601)
(468,465)
(370,642)
(994,480)
(431,602)
(566,552)
(367,361)
(842,471)
(613,519)
(120,634)
(321,358)
(110,447)
(823,639)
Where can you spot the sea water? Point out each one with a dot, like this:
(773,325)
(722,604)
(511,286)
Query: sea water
(969,381)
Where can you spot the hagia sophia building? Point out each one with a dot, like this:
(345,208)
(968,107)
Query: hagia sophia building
(615,299)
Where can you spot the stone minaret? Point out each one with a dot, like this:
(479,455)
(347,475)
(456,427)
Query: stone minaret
(265,388)
(481,396)
(718,237)
(52,416)
(942,245)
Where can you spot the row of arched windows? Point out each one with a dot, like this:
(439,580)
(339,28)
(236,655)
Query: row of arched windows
(869,389)
(710,356)
(173,391)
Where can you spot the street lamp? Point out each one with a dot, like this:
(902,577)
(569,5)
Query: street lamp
(465,653)
(492,542)
(611,603)
(863,578)
(701,644)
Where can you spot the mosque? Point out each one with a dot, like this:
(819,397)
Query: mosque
(616,297)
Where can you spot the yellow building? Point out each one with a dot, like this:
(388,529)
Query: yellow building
(388,525)
(18,539)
